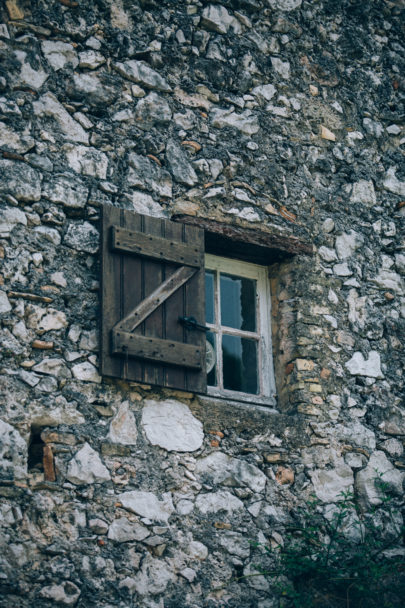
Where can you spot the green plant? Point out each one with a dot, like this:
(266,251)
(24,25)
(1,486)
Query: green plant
(340,557)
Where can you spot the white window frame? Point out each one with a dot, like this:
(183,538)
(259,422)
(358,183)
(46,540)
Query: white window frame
(266,395)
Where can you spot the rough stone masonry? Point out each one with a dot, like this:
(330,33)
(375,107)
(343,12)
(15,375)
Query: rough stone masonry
(284,116)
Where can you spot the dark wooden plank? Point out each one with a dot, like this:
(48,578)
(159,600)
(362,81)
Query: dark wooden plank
(146,307)
(174,376)
(153,247)
(196,381)
(132,291)
(246,243)
(110,292)
(156,349)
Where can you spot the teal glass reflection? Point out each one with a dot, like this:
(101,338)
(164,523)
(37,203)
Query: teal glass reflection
(238,302)
(239,357)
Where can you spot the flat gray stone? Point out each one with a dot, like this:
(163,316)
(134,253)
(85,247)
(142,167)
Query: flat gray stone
(219,468)
(66,593)
(147,504)
(393,184)
(122,531)
(363,192)
(67,190)
(330,483)
(152,110)
(86,467)
(145,174)
(214,502)
(28,75)
(9,218)
(82,237)
(12,141)
(59,54)
(359,366)
(153,578)
(284,5)
(87,161)
(179,165)
(20,180)
(347,243)
(246,122)
(378,468)
(53,367)
(141,73)
(13,453)
(215,18)
(5,305)
(123,426)
(144,203)
(170,425)
(48,106)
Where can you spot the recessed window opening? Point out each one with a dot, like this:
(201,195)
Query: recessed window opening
(36,450)
(238,316)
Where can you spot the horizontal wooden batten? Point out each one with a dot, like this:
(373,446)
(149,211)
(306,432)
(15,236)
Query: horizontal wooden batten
(157,350)
(155,247)
(155,299)
(251,245)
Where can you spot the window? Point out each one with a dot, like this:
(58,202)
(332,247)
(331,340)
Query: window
(237,303)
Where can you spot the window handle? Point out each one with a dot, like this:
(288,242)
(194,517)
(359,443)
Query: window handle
(191,323)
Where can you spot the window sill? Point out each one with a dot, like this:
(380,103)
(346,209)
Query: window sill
(233,396)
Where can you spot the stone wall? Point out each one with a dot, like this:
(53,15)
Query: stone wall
(281,115)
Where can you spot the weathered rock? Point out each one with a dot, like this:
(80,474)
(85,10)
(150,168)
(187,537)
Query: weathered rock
(45,319)
(379,469)
(29,76)
(144,203)
(59,54)
(363,192)
(13,453)
(87,161)
(285,5)
(264,92)
(47,235)
(53,367)
(348,243)
(359,366)
(216,18)
(86,467)
(222,469)
(82,237)
(246,122)
(235,544)
(389,280)
(218,501)
(13,141)
(122,530)
(329,484)
(147,175)
(152,110)
(9,218)
(393,184)
(91,59)
(86,372)
(153,578)
(148,504)
(171,425)
(49,107)
(5,305)
(98,90)
(20,180)
(123,426)
(67,593)
(141,73)
(67,190)
(179,166)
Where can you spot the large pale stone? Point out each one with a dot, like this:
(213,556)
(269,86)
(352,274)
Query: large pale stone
(87,161)
(178,164)
(97,90)
(53,367)
(359,366)
(86,372)
(12,141)
(264,92)
(378,468)
(222,469)
(147,175)
(153,577)
(122,530)
(357,308)
(246,122)
(66,593)
(13,453)
(59,54)
(152,110)
(5,305)
(28,75)
(123,427)
(147,504)
(216,18)
(49,106)
(86,467)
(393,184)
(170,425)
(218,501)
(363,192)
(284,5)
(141,73)
(82,237)
(9,218)
(20,180)
(68,190)
(281,67)
(389,280)
(347,243)
(144,203)
(235,543)
(330,483)
(45,319)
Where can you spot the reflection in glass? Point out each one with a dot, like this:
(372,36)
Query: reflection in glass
(212,375)
(240,364)
(209,296)
(238,302)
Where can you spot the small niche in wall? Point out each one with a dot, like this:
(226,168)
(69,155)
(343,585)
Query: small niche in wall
(40,455)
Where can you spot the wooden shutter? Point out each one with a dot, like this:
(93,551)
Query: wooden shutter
(152,274)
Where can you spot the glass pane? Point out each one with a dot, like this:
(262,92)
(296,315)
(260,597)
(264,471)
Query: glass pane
(212,375)
(240,364)
(209,296)
(238,302)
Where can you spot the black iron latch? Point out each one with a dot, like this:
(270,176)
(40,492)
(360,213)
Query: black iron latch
(191,323)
